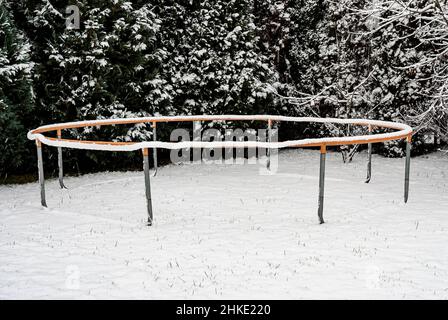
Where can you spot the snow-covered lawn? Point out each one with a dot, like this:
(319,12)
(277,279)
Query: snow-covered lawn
(226,231)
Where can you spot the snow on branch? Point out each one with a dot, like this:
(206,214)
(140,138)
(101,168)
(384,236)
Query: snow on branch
(427,23)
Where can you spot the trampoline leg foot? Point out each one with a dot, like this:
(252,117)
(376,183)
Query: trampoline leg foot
(147,185)
(268,150)
(407,169)
(369,161)
(320,212)
(369,165)
(40,166)
(61,165)
(61,169)
(154,150)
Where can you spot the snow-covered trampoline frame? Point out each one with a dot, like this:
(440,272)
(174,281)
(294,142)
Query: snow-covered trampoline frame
(404,132)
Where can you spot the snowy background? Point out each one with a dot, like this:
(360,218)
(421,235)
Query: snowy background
(225,231)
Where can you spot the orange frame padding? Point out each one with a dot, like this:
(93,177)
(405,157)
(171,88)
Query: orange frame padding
(154,120)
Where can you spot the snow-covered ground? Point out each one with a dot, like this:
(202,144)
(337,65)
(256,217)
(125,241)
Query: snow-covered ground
(226,231)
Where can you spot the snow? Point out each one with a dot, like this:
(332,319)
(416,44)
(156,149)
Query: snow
(226,231)
(13,69)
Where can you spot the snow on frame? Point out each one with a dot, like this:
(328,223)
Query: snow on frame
(403,130)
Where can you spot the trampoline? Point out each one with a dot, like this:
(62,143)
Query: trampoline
(42,137)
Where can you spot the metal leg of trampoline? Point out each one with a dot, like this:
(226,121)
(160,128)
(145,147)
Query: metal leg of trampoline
(197,134)
(369,161)
(407,169)
(320,212)
(61,164)
(268,150)
(147,185)
(40,166)
(154,150)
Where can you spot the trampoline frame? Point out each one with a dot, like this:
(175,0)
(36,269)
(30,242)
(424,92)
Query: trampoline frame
(404,132)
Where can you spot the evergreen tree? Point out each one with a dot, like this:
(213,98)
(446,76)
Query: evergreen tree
(350,71)
(211,63)
(103,70)
(16,95)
